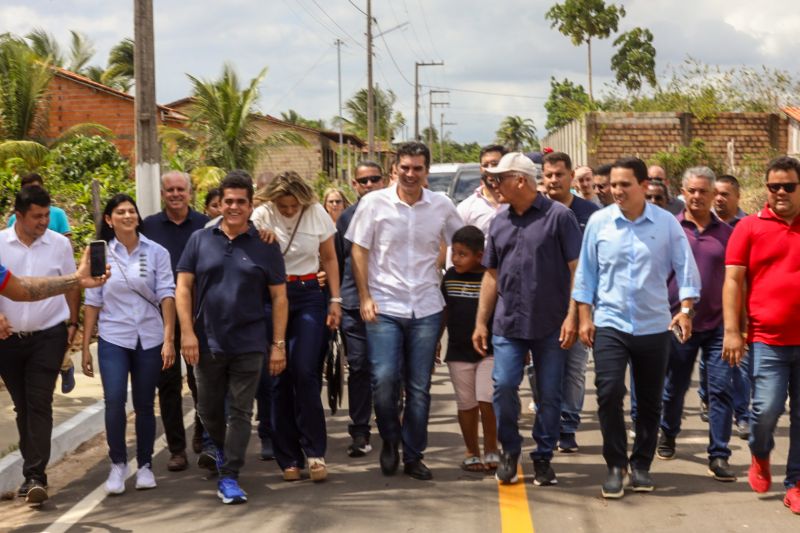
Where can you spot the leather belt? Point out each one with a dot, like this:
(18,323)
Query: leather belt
(304,277)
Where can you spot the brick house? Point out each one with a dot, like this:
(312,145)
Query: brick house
(320,155)
(74,99)
(794,130)
(732,138)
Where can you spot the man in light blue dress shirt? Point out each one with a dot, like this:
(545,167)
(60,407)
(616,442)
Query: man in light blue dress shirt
(629,250)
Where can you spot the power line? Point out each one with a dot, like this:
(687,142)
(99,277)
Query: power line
(318,21)
(427,28)
(336,23)
(301,79)
(413,50)
(396,66)
(416,37)
(355,6)
(486,92)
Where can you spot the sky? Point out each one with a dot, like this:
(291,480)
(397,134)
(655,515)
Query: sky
(499,56)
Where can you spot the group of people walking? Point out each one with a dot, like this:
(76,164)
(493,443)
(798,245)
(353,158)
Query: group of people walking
(547,264)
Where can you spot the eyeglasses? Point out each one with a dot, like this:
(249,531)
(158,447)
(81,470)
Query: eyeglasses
(599,186)
(654,197)
(495,179)
(788,187)
(369,179)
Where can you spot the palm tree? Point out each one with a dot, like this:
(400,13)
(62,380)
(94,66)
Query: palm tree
(45,46)
(119,73)
(23,89)
(517,133)
(385,121)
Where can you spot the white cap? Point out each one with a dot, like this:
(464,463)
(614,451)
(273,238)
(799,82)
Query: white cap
(514,162)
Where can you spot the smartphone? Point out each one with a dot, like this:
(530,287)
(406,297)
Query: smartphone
(678,332)
(97,258)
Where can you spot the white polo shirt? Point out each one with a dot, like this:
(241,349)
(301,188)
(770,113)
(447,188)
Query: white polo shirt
(403,242)
(476,211)
(49,255)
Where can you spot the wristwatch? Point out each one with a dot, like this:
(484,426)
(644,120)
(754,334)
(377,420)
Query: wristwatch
(688,311)
(279,344)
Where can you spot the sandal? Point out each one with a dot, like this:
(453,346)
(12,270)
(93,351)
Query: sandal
(473,464)
(291,474)
(317,469)
(492,459)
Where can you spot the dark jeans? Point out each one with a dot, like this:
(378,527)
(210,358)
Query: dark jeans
(144,367)
(359,385)
(648,356)
(549,360)
(170,400)
(741,389)
(776,372)
(401,353)
(298,418)
(29,367)
(719,375)
(236,377)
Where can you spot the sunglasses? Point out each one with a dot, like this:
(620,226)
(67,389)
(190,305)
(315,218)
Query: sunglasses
(655,197)
(599,186)
(369,179)
(788,187)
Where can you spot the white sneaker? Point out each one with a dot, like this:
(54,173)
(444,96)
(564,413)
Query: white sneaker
(145,478)
(115,484)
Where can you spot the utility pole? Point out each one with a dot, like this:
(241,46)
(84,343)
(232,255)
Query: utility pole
(148,151)
(340,170)
(416,91)
(370,90)
(441,134)
(431,103)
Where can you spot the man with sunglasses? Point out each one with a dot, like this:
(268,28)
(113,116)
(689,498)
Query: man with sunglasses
(657,193)
(602,185)
(369,177)
(657,174)
(763,258)
(480,208)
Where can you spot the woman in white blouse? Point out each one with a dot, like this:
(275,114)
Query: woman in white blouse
(136,327)
(305,233)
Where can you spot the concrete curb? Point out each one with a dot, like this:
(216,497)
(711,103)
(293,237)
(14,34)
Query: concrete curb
(66,437)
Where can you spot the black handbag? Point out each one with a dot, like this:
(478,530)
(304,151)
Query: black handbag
(335,361)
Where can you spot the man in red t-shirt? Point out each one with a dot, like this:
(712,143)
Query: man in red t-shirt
(764,255)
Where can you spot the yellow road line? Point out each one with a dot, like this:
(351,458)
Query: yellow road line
(515,513)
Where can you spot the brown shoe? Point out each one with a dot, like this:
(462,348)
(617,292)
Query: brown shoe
(177,462)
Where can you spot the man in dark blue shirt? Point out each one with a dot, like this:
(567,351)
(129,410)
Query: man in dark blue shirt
(531,255)
(369,177)
(171,228)
(558,176)
(227,275)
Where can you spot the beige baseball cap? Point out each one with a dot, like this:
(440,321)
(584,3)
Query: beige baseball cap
(514,162)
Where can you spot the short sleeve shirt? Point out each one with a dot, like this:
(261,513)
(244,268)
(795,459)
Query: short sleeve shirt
(531,253)
(173,237)
(315,227)
(583,209)
(232,279)
(770,250)
(461,294)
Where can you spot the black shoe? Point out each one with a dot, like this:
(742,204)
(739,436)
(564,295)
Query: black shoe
(208,461)
(614,487)
(267,451)
(417,470)
(641,481)
(666,447)
(23,489)
(719,469)
(359,447)
(543,473)
(197,440)
(743,429)
(37,493)
(703,411)
(390,458)
(567,443)
(507,468)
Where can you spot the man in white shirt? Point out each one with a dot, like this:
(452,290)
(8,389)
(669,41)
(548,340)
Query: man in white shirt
(33,349)
(480,208)
(396,235)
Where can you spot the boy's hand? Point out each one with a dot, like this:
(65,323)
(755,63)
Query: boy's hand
(480,339)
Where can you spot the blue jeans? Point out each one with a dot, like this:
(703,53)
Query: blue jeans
(573,387)
(359,388)
(509,360)
(741,389)
(719,377)
(298,418)
(144,367)
(401,353)
(776,369)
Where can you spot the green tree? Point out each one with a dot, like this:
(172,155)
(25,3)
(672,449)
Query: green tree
(566,102)
(386,121)
(584,20)
(45,45)
(635,60)
(293,117)
(517,133)
(119,72)
(24,79)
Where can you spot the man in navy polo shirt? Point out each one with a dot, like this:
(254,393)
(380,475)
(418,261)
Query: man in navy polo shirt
(531,254)
(171,228)
(227,275)
(558,177)
(708,237)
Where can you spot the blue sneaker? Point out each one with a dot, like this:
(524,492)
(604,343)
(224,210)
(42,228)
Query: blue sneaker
(229,492)
(219,458)
(68,380)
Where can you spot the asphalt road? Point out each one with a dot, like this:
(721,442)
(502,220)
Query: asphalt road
(357,498)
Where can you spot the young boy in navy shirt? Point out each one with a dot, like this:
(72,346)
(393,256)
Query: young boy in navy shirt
(470,372)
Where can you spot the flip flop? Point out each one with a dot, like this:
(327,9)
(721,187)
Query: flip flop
(491,458)
(473,464)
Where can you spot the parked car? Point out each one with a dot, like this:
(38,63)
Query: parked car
(440,175)
(466,180)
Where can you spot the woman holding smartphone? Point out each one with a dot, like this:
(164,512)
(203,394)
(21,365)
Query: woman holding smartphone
(135,316)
